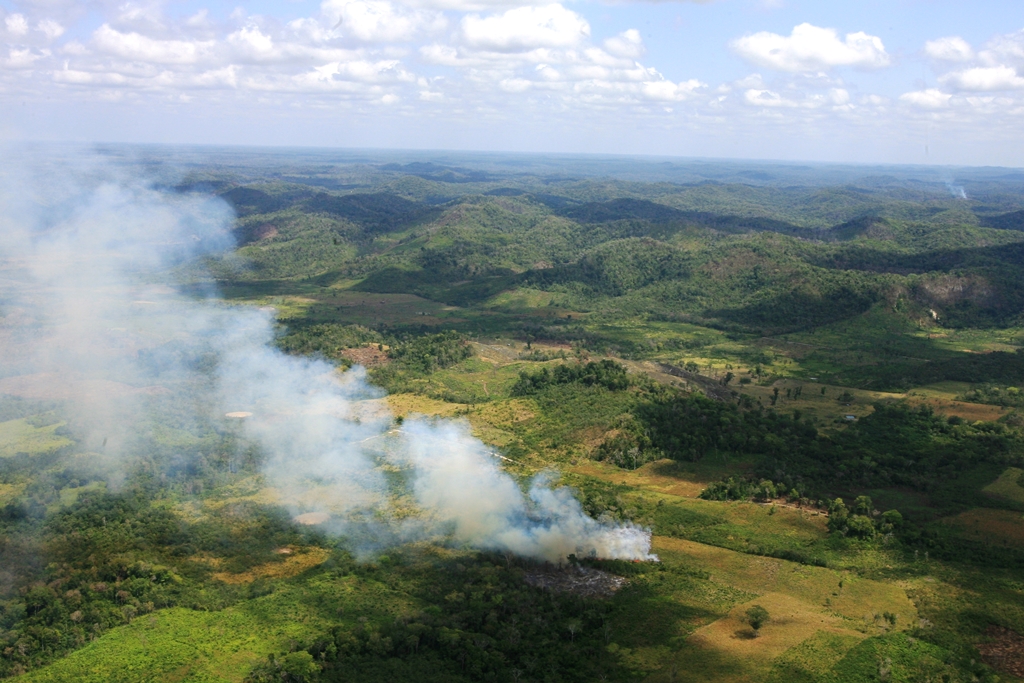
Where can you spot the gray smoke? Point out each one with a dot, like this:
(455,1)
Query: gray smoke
(89,317)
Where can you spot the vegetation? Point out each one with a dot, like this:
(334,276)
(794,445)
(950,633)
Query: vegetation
(757,616)
(605,373)
(805,391)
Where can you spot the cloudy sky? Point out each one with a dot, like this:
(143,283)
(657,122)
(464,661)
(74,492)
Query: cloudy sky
(904,81)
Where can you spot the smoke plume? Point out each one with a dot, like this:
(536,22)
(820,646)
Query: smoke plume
(92,316)
(956,191)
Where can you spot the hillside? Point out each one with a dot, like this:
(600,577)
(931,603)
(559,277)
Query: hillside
(353,447)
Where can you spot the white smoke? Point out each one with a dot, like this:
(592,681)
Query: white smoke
(957,191)
(459,482)
(88,316)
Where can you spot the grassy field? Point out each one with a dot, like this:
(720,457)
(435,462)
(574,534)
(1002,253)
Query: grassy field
(20,436)
(186,645)
(1009,485)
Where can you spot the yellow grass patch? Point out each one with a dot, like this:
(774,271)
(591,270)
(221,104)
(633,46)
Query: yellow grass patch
(646,477)
(505,413)
(405,404)
(968,411)
(795,521)
(522,298)
(1004,527)
(497,354)
(486,422)
(792,622)
(18,436)
(858,599)
(815,656)
(1008,485)
(294,563)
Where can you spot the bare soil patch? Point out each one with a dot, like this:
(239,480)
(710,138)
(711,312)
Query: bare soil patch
(265,232)
(579,580)
(369,356)
(1004,651)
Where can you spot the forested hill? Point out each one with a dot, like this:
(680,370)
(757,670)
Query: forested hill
(763,259)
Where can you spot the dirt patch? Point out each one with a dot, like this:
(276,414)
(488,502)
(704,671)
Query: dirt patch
(1004,652)
(584,581)
(370,356)
(265,232)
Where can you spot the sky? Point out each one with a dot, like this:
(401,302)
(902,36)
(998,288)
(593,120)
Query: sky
(862,81)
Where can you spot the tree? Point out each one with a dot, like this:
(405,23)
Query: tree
(891,520)
(757,617)
(863,505)
(728,378)
(837,515)
(299,666)
(860,526)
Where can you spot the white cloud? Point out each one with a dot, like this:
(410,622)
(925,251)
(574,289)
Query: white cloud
(839,96)
(766,98)
(23,58)
(668,91)
(835,98)
(811,48)
(217,78)
(374,21)
(927,99)
(200,19)
(1005,48)
(50,28)
(524,28)
(627,44)
(985,79)
(514,85)
(76,77)
(949,49)
(253,44)
(16,24)
(136,47)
